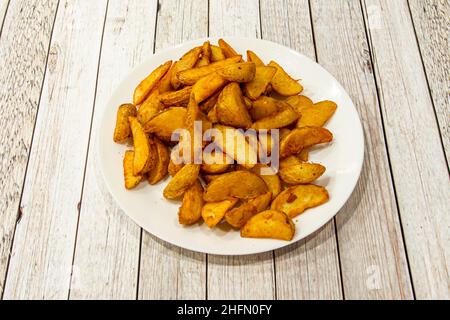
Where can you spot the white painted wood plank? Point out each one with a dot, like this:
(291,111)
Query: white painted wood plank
(41,260)
(166,271)
(373,260)
(431,22)
(106,259)
(418,162)
(308,269)
(240,277)
(3,7)
(23,53)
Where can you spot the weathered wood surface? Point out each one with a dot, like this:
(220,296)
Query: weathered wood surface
(417,158)
(3,8)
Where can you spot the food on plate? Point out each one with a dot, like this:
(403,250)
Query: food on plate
(254,111)
(271,224)
(122,130)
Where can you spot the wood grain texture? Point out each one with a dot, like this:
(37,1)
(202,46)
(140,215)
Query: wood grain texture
(23,52)
(3,8)
(240,277)
(308,269)
(431,23)
(106,261)
(418,162)
(41,260)
(373,260)
(166,271)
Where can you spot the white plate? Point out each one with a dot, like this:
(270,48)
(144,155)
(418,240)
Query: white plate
(343,158)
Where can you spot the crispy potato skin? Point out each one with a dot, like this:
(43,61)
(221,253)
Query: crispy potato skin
(301,173)
(150,107)
(146,85)
(272,180)
(143,157)
(209,103)
(239,72)
(296,199)
(217,54)
(179,97)
(282,83)
(231,109)
(187,61)
(284,117)
(237,184)
(207,86)
(227,50)
(159,171)
(173,168)
(205,58)
(303,137)
(166,122)
(181,181)
(253,57)
(271,224)
(131,180)
(298,103)
(317,115)
(122,130)
(255,88)
(263,107)
(289,161)
(191,208)
(237,217)
(213,212)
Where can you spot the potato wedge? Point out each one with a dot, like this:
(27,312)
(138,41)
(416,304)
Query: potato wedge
(253,57)
(317,115)
(303,137)
(269,224)
(145,87)
(248,103)
(255,88)
(215,162)
(282,83)
(209,103)
(191,208)
(296,199)
(176,98)
(263,107)
(164,84)
(272,180)
(191,76)
(144,158)
(159,171)
(298,103)
(173,168)
(289,161)
(187,61)
(237,217)
(235,145)
(239,72)
(210,177)
(207,86)
(217,54)
(284,117)
(227,50)
(131,180)
(303,155)
(237,184)
(122,131)
(181,181)
(301,173)
(150,107)
(205,58)
(213,212)
(212,115)
(231,109)
(166,122)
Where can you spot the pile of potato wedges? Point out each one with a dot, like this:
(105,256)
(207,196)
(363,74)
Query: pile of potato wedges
(215,85)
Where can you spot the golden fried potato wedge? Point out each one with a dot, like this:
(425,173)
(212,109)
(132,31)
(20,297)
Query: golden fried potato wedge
(284,117)
(303,155)
(304,137)
(290,161)
(263,107)
(227,50)
(248,103)
(235,145)
(212,115)
(271,224)
(144,158)
(239,72)
(216,162)
(122,131)
(209,103)
(159,171)
(181,181)
(213,212)
(237,217)
(164,84)
(231,109)
(298,103)
(301,173)
(145,87)
(210,177)
(131,180)
(174,98)
(205,58)
(150,107)
(265,144)
(282,83)
(187,61)
(261,202)
(166,122)
(317,115)
(255,88)
(296,199)
(217,54)
(237,184)
(173,168)
(191,76)
(207,86)
(272,180)
(253,57)
(191,208)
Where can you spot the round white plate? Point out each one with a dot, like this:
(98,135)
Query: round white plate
(343,157)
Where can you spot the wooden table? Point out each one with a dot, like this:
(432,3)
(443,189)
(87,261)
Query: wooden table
(62,236)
